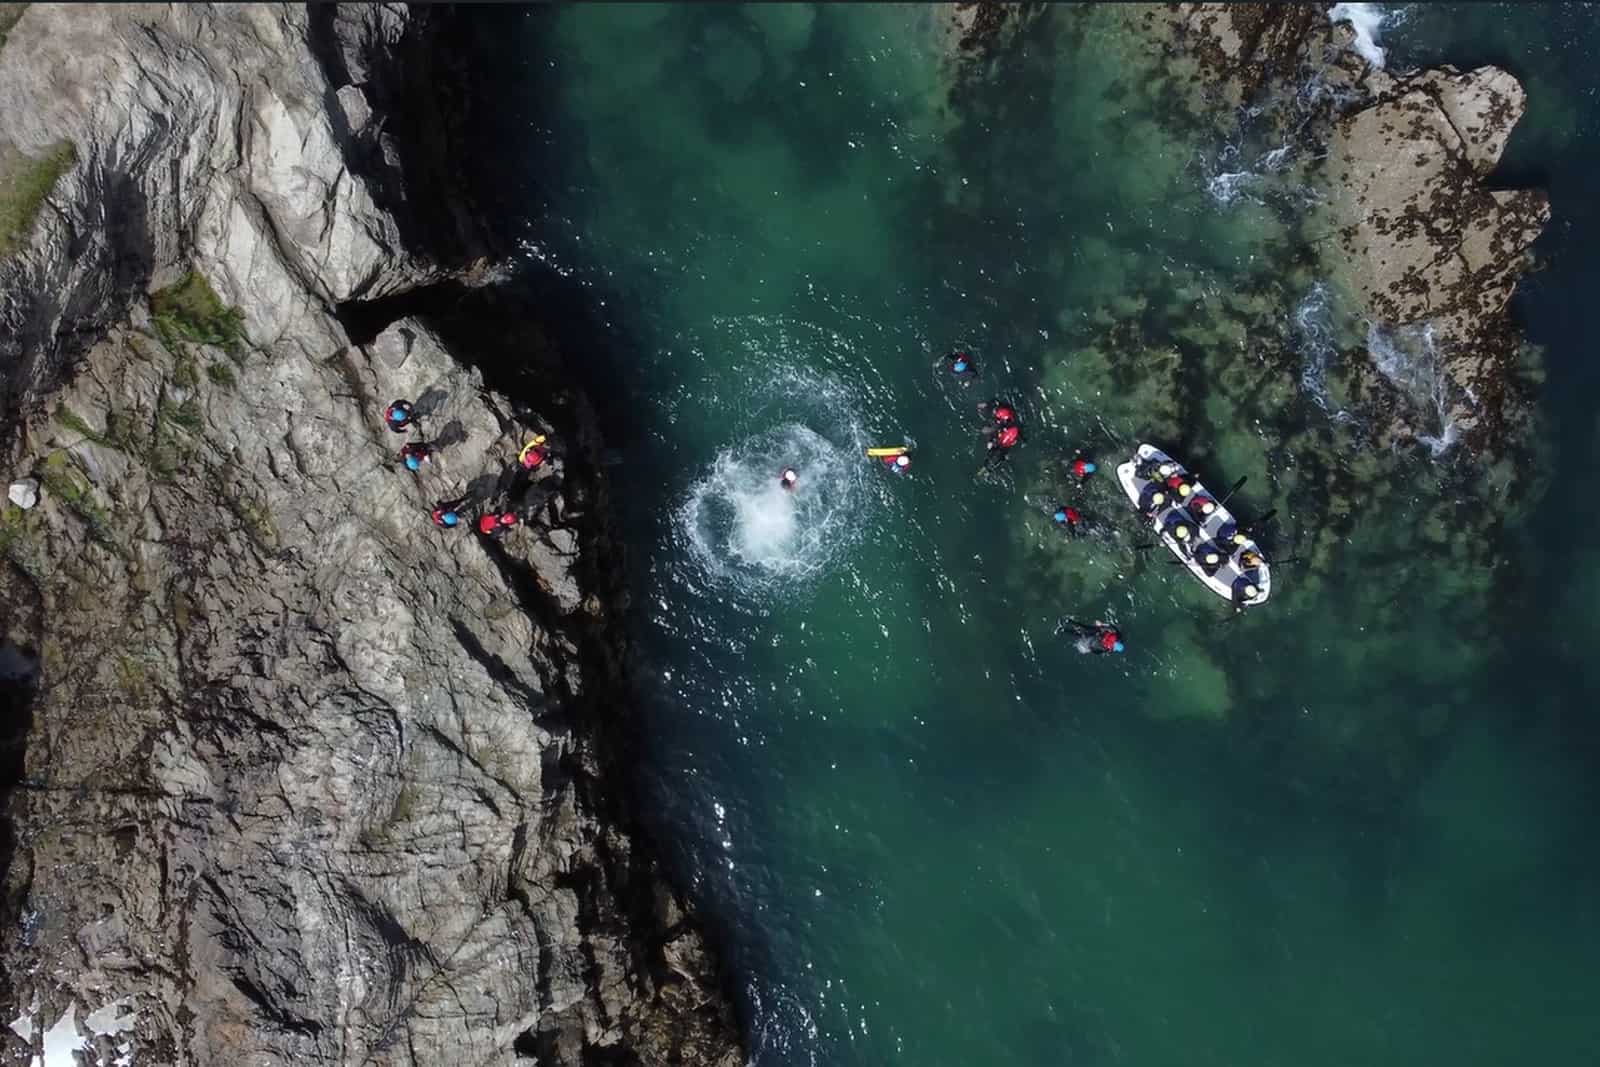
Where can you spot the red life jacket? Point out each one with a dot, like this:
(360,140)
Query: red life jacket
(1108,640)
(1003,414)
(1008,436)
(1174,480)
(1073,516)
(1078,467)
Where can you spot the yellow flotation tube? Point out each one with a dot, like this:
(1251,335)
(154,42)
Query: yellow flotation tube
(889,450)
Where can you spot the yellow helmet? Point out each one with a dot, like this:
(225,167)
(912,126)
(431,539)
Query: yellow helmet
(1181,532)
(1250,592)
(1184,489)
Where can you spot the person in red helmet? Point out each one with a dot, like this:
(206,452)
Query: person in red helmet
(496,524)
(1003,412)
(1097,638)
(1068,519)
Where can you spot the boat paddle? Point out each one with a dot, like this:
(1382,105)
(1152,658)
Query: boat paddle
(1236,487)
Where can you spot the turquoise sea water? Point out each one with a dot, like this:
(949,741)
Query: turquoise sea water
(1350,828)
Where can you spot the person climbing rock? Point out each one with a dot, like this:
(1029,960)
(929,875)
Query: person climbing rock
(415,453)
(962,367)
(399,416)
(447,513)
(1081,466)
(788,478)
(533,453)
(1097,638)
(496,524)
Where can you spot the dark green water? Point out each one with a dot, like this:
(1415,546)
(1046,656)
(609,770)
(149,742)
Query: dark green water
(1350,828)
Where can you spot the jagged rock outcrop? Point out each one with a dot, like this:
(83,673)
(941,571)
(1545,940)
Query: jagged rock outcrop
(1423,240)
(1423,244)
(302,777)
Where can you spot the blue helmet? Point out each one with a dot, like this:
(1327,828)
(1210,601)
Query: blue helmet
(449,518)
(1060,515)
(1117,647)
(412,462)
(1089,467)
(959,365)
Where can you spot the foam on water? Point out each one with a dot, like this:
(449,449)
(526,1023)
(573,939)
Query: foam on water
(1409,358)
(1366,20)
(751,535)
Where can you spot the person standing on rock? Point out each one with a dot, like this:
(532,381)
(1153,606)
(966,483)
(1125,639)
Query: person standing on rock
(399,416)
(533,453)
(415,453)
(447,513)
(496,524)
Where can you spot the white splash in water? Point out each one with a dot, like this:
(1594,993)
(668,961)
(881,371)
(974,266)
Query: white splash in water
(1409,358)
(1226,188)
(750,533)
(1313,322)
(1366,20)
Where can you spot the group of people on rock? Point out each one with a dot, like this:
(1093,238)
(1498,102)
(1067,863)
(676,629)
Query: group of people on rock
(401,417)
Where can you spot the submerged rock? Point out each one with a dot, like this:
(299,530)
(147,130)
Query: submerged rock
(302,778)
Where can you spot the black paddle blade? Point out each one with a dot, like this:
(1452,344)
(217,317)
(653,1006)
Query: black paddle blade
(1262,518)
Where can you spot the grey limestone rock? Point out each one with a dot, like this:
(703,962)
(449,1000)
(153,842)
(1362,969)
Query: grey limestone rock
(303,778)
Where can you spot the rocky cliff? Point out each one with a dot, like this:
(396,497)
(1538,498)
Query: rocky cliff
(295,775)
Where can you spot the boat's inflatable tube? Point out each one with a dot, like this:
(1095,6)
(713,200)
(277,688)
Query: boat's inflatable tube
(888,450)
(1223,579)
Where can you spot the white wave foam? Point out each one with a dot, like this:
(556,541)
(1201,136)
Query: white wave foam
(750,534)
(1313,322)
(1366,20)
(1226,188)
(1409,358)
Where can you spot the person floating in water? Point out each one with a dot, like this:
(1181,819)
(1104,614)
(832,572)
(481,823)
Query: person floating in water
(1097,638)
(533,453)
(896,464)
(415,453)
(1081,466)
(1002,439)
(447,513)
(962,367)
(399,416)
(496,524)
(1002,412)
(1068,519)
(788,478)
